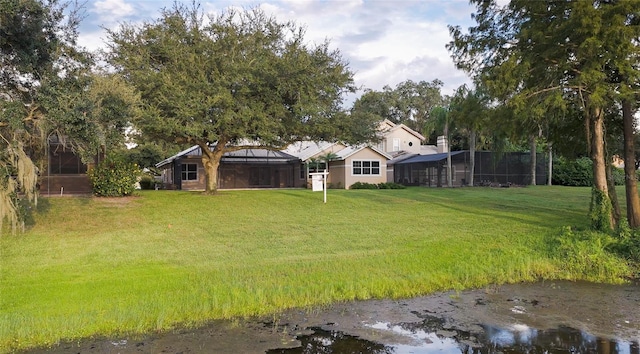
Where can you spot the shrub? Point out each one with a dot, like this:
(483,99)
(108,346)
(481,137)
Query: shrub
(577,172)
(618,176)
(147,182)
(363,185)
(113,177)
(628,242)
(391,185)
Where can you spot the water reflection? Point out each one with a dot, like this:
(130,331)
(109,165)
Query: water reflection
(425,338)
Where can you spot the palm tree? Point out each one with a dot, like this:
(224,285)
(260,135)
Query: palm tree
(327,157)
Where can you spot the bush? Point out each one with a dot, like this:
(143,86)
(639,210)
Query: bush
(382,185)
(113,177)
(578,172)
(628,242)
(363,185)
(147,182)
(390,185)
(618,176)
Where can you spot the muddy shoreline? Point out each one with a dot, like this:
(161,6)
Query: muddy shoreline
(604,312)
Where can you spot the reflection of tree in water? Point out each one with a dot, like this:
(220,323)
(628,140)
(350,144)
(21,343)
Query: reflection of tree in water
(330,342)
(560,340)
(492,340)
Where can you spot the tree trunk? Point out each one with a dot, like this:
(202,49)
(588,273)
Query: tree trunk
(211,162)
(472,155)
(534,162)
(550,169)
(601,213)
(613,196)
(630,179)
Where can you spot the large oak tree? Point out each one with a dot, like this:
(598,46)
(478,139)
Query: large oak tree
(235,80)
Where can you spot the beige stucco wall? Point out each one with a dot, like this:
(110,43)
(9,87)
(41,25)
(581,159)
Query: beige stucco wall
(407,141)
(364,154)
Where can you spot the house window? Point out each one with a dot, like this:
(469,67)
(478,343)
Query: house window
(365,168)
(189,172)
(396,144)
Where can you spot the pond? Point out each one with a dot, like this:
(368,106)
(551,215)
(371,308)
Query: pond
(545,317)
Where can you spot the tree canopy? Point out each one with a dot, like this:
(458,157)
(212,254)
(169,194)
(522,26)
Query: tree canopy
(409,103)
(542,57)
(48,86)
(236,79)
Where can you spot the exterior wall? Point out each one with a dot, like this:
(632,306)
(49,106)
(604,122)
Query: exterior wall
(337,174)
(406,142)
(365,154)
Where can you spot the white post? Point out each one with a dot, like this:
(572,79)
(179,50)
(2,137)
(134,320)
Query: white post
(324,180)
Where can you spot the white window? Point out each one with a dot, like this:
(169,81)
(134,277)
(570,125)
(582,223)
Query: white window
(189,172)
(396,144)
(365,167)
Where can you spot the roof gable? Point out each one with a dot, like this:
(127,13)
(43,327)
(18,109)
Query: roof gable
(351,150)
(408,130)
(306,149)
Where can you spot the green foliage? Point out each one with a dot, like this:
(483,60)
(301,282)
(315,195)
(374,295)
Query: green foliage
(240,76)
(33,36)
(145,155)
(627,242)
(587,253)
(147,182)
(383,185)
(600,211)
(578,172)
(113,177)
(409,103)
(390,185)
(363,185)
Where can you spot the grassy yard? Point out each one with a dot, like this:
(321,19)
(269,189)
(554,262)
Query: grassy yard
(162,259)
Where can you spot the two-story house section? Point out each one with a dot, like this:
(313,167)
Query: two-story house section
(399,139)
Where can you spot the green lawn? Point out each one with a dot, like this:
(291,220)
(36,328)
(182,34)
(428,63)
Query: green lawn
(167,258)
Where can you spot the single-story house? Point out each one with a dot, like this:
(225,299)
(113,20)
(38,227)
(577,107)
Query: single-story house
(246,168)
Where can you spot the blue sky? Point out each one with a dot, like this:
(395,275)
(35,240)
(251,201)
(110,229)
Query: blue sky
(385,41)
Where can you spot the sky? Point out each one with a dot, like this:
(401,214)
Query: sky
(385,42)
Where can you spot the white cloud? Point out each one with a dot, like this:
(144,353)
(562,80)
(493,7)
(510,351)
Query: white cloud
(113,9)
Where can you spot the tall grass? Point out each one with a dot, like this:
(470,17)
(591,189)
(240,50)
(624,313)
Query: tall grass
(91,266)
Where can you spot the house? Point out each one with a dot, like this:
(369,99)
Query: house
(246,168)
(347,164)
(64,173)
(291,167)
